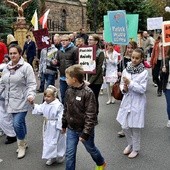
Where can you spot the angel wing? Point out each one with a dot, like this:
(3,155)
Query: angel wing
(25,4)
(13,4)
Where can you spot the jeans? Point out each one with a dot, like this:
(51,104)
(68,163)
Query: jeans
(167,96)
(47,79)
(63,88)
(20,125)
(50,79)
(71,148)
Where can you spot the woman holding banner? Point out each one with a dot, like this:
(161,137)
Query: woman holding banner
(157,62)
(95,81)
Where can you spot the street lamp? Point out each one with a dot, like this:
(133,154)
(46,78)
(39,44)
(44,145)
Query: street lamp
(167,8)
(83,3)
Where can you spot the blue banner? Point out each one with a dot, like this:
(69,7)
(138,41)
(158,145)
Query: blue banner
(118,24)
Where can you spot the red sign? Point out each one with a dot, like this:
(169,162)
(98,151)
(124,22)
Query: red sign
(42,38)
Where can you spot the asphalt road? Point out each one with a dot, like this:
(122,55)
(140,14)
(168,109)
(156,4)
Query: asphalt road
(155,141)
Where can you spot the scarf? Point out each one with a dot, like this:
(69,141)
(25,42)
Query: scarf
(135,69)
(13,68)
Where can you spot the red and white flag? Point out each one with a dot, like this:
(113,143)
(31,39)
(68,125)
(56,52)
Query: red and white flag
(43,19)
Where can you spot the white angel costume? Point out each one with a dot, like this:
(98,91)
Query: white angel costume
(54,143)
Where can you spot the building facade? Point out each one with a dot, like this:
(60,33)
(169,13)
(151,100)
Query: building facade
(66,15)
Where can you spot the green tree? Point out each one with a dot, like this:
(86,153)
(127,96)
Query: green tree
(6,20)
(96,9)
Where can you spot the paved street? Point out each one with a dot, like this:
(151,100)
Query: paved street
(155,141)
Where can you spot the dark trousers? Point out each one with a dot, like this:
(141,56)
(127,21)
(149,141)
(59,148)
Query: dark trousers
(96,90)
(30,60)
(63,88)
(156,75)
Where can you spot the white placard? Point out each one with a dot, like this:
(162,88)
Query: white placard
(154,23)
(87,59)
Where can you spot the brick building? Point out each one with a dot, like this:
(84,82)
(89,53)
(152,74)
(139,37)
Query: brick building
(66,15)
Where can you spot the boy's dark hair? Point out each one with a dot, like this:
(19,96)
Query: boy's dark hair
(76,71)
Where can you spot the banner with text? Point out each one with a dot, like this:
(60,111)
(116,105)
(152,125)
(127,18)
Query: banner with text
(87,59)
(118,24)
(166,33)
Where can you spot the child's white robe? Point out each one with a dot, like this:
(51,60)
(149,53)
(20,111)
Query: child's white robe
(54,143)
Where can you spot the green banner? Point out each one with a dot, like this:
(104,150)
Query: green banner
(107,29)
(132,23)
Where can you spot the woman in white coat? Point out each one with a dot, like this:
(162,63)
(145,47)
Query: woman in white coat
(18,83)
(6,120)
(132,109)
(54,143)
(111,76)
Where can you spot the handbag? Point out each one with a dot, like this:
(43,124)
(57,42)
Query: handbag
(116,92)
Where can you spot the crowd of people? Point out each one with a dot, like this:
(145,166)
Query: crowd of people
(71,112)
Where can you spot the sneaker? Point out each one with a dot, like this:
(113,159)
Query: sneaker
(10,140)
(155,85)
(102,167)
(39,91)
(108,102)
(159,93)
(60,159)
(168,124)
(127,150)
(121,134)
(50,161)
(133,154)
(2,133)
(101,91)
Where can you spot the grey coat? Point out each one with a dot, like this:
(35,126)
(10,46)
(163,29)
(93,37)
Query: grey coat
(17,86)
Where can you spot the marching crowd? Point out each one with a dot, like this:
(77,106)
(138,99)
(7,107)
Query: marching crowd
(71,113)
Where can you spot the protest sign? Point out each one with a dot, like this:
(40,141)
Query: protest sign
(87,59)
(166,33)
(118,24)
(154,23)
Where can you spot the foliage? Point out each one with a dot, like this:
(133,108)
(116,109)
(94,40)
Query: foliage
(8,15)
(6,20)
(96,9)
